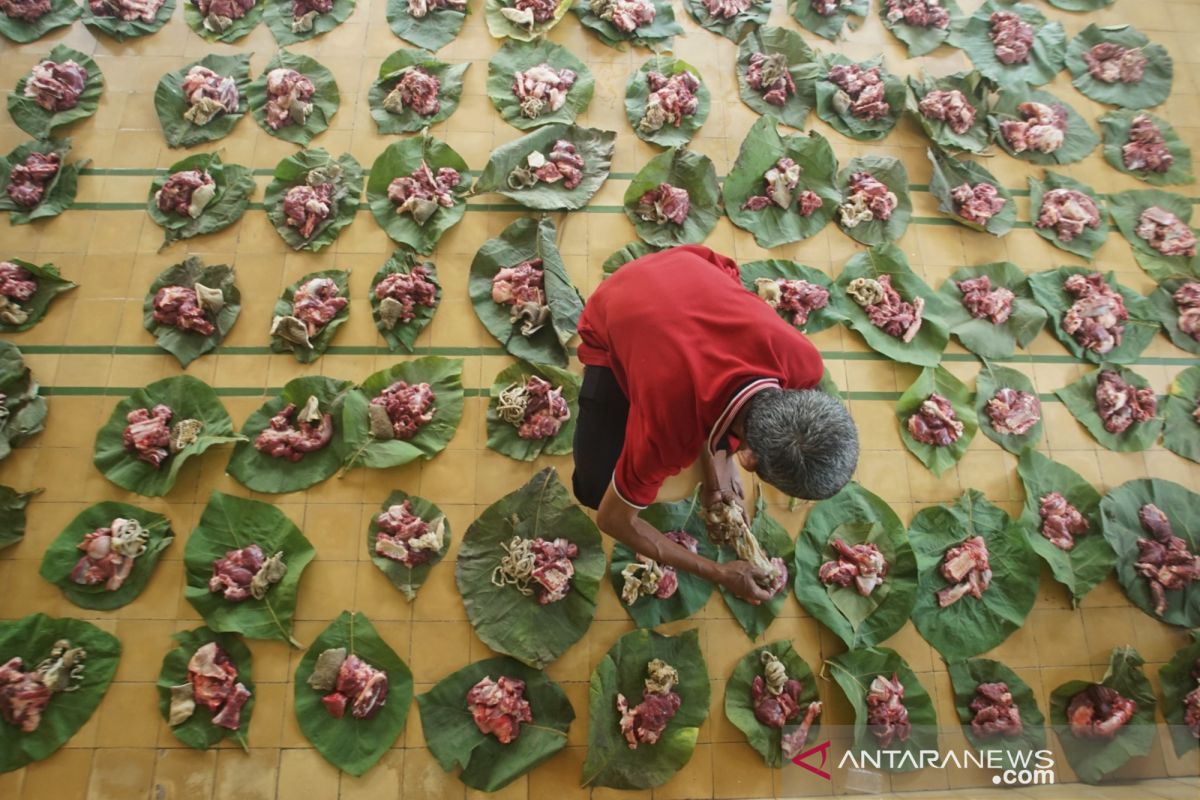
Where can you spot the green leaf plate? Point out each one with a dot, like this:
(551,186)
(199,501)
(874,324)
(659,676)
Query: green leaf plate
(170,104)
(279,18)
(923,40)
(1140,328)
(1089,240)
(26,410)
(40,123)
(1046,56)
(405,578)
(513,57)
(637,95)
(294,171)
(502,436)
(238,28)
(119,30)
(187,346)
(1078,141)
(966,676)
(431,32)
(829,27)
(658,33)
(1175,679)
(802,64)
(940,380)
(733,28)
(59,193)
(1115,126)
(1080,399)
(892,174)
(1127,207)
(685,169)
(50,284)
(234,185)
(324,101)
(502,27)
(777,543)
(400,160)
(1151,90)
(776,268)
(847,124)
(61,14)
(404,335)
(980,335)
(1181,429)
(990,380)
(320,342)
(595,146)
(977,90)
(739,703)
(198,731)
(450,80)
(12,514)
(950,173)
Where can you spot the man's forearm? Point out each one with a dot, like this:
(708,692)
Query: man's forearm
(644,539)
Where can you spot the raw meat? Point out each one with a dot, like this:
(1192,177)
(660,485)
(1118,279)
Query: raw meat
(293,433)
(499,707)
(887,718)
(306,207)
(769,76)
(187,308)
(995,712)
(1041,128)
(671,99)
(147,434)
(1164,559)
(360,686)
(796,299)
(214,685)
(288,96)
(1094,319)
(218,15)
(186,193)
(935,422)
(951,107)
(109,553)
(646,577)
(625,15)
(1146,150)
(1166,233)
(728,527)
(782,180)
(725,9)
(984,302)
(417,89)
(400,293)
(827,8)
(305,13)
(966,568)
(1112,63)
(885,308)
(869,199)
(126,10)
(527,13)
(245,573)
(1121,404)
(23,696)
(1191,704)
(1187,303)
(25,10)
(18,283)
(1069,212)
(423,192)
(208,95)
(405,537)
(316,302)
(861,564)
(860,92)
(1098,712)
(664,204)
(1012,37)
(28,180)
(563,163)
(918,14)
(543,562)
(776,697)
(401,410)
(418,9)
(1061,521)
(542,89)
(522,289)
(645,722)
(978,203)
(536,409)
(56,87)
(1013,412)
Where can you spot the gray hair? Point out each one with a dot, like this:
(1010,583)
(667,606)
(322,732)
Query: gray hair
(804,440)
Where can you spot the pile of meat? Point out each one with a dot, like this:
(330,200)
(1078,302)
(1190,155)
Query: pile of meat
(419,9)
(782,180)
(522,289)
(935,422)
(978,203)
(982,301)
(305,13)
(1191,704)
(1099,712)
(624,15)
(350,681)
(246,572)
(918,14)
(1166,233)
(25,10)
(542,89)
(416,89)
(887,718)
(665,203)
(126,10)
(645,722)
(288,96)
(1012,37)
(776,699)
(1013,412)
(149,438)
(645,577)
(499,707)
(869,199)
(860,564)
(24,695)
(1146,150)
(827,8)
(400,293)
(562,163)
(305,206)
(295,432)
(1061,521)
(405,537)
(995,713)
(795,299)
(1121,404)
(17,285)
(56,87)
(186,193)
(315,303)
(212,681)
(725,9)
(1041,128)
(1069,212)
(218,15)
(28,180)
(885,308)
(544,562)
(1095,319)
(527,13)
(1164,560)
(966,570)
(208,95)
(423,192)
(860,92)
(671,99)
(770,77)
(401,410)
(535,408)
(950,107)
(109,553)
(1112,63)
(1187,304)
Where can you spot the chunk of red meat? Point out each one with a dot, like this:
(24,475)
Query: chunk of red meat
(1111,63)
(1146,150)
(1098,712)
(499,707)
(16,282)
(1040,128)
(100,563)
(56,87)
(984,302)
(1121,404)
(645,722)
(772,710)
(671,99)
(1164,560)
(208,91)
(126,10)
(770,76)
(1069,212)
(796,299)
(552,569)
(23,696)
(861,91)
(1166,233)
(625,15)
(178,307)
(402,536)
(306,207)
(542,89)
(418,9)
(409,289)
(423,192)
(316,302)
(417,89)
(28,180)
(408,406)
(869,198)
(918,14)
(781,180)
(887,716)
(1187,303)
(175,197)
(995,713)
(861,564)
(230,715)
(233,572)
(1013,412)
(935,422)
(335,704)
(288,96)
(300,8)
(25,10)
(1061,521)
(827,8)
(951,107)
(360,686)
(725,9)
(288,437)
(212,675)
(520,284)
(545,410)
(147,434)
(978,203)
(665,203)
(967,570)
(1012,37)
(1095,319)
(225,9)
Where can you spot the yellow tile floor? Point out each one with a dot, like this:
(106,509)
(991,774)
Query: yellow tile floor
(92,347)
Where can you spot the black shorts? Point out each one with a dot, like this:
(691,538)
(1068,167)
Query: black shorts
(599,434)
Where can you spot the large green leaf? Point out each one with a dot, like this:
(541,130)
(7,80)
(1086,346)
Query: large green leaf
(1046,56)
(320,343)
(1181,427)
(260,472)
(802,64)
(966,676)
(761,149)
(637,95)
(521,241)
(1079,139)
(1115,126)
(1126,209)
(404,334)
(502,435)
(170,104)
(324,101)
(1089,240)
(198,731)
(844,122)
(1151,90)
(777,543)
(444,376)
(50,284)
(941,381)
(487,765)
(12,514)
(828,27)
(234,185)
(1092,759)
(231,523)
(593,145)
(450,80)
(187,346)
(734,28)
(400,160)
(1080,399)
(408,579)
(120,30)
(890,172)
(657,34)
(40,123)
(926,348)
(1177,682)
(1140,328)
(648,611)
(610,761)
(502,27)
(26,410)
(294,171)
(854,671)
(61,14)
(279,20)
(63,554)
(238,28)
(31,639)
(992,379)
(1122,528)
(59,193)
(981,336)
(855,515)
(922,40)
(188,398)
(1085,565)
(685,169)
(776,268)
(354,745)
(431,32)
(506,620)
(950,173)
(1163,306)
(515,56)
(976,88)
(739,702)
(630,252)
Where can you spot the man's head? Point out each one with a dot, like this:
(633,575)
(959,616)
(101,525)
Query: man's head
(801,441)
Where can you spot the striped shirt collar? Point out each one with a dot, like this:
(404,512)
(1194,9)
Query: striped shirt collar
(721,428)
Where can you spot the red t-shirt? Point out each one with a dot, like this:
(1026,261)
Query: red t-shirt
(688,346)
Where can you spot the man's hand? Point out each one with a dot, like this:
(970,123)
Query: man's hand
(721,480)
(742,579)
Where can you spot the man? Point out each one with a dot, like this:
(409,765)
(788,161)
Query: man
(680,360)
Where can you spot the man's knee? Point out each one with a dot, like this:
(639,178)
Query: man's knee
(589,489)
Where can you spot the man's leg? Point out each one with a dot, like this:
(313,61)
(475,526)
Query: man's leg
(599,434)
